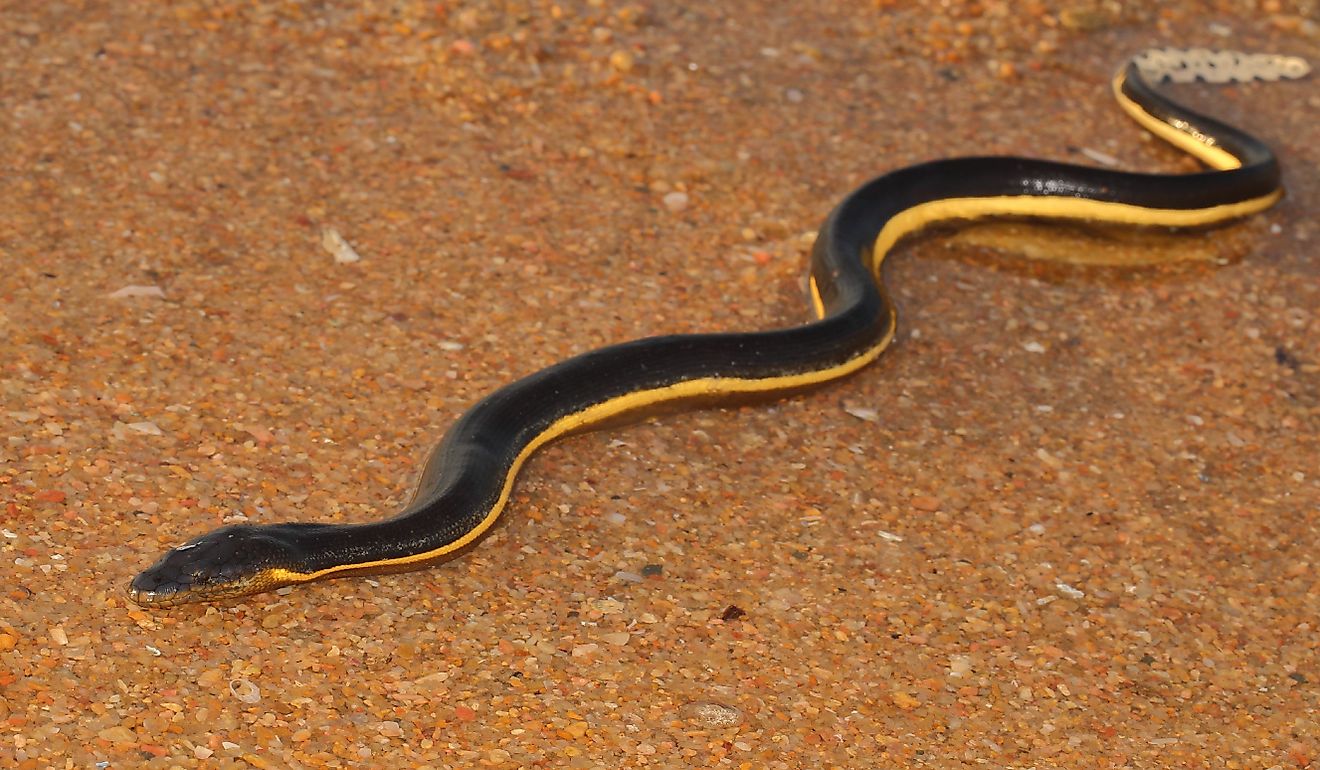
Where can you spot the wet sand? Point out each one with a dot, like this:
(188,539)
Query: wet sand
(1068,520)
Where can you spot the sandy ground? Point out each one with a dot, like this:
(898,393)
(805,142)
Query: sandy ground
(1069,520)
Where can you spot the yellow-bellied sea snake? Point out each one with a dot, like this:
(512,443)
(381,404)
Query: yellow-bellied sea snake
(468,478)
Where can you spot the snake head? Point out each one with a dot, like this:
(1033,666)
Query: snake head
(224,563)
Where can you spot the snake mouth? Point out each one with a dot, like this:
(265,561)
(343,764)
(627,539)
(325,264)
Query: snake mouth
(147,590)
(156,600)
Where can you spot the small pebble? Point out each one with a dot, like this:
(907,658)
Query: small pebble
(622,61)
(117,734)
(1069,591)
(1049,459)
(926,503)
(905,701)
(1103,158)
(675,201)
(1086,18)
(211,678)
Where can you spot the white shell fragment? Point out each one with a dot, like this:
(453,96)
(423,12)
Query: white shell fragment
(339,248)
(244,690)
(147,427)
(137,291)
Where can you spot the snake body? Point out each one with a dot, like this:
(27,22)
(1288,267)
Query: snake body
(467,480)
